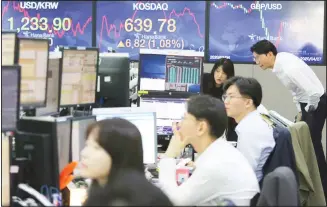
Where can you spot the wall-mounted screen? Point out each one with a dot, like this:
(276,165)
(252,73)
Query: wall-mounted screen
(293,26)
(66,23)
(127,26)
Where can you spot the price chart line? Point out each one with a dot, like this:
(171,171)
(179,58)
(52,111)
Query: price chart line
(247,11)
(78,29)
(113,28)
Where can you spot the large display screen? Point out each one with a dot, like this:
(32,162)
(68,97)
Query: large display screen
(127,26)
(169,71)
(293,26)
(78,78)
(66,23)
(33,58)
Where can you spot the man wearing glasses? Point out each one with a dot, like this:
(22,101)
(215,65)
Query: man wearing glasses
(255,141)
(307,91)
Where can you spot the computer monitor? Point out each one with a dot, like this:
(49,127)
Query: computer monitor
(79,127)
(36,153)
(144,120)
(168,110)
(9,49)
(10,83)
(168,70)
(5,170)
(113,80)
(52,104)
(79,76)
(33,58)
(46,142)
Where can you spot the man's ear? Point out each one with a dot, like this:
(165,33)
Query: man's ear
(202,127)
(270,54)
(248,102)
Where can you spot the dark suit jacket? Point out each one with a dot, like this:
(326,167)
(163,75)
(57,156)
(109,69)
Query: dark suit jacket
(283,153)
(279,189)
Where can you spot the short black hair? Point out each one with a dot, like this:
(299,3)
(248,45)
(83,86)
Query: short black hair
(210,109)
(264,47)
(249,87)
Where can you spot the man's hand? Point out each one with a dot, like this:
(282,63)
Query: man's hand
(298,117)
(177,143)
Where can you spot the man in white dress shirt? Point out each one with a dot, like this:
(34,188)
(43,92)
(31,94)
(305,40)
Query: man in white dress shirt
(255,141)
(221,171)
(307,91)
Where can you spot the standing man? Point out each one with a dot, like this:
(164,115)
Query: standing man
(307,90)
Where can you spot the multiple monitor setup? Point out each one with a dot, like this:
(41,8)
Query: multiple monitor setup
(169,78)
(41,83)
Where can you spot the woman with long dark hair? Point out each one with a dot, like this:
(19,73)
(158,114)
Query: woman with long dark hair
(222,70)
(112,146)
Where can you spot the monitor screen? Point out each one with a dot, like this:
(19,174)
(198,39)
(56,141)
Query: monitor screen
(79,127)
(8,52)
(170,71)
(33,58)
(293,26)
(10,83)
(62,22)
(79,76)
(168,110)
(52,103)
(5,172)
(127,26)
(144,120)
(64,142)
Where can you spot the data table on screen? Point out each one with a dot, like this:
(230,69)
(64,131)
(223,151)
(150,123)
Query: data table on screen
(78,83)
(8,52)
(33,58)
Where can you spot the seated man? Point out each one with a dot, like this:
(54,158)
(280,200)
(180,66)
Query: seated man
(255,136)
(221,171)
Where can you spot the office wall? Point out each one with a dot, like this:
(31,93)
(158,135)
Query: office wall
(275,96)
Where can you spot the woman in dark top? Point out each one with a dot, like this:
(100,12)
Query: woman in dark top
(222,70)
